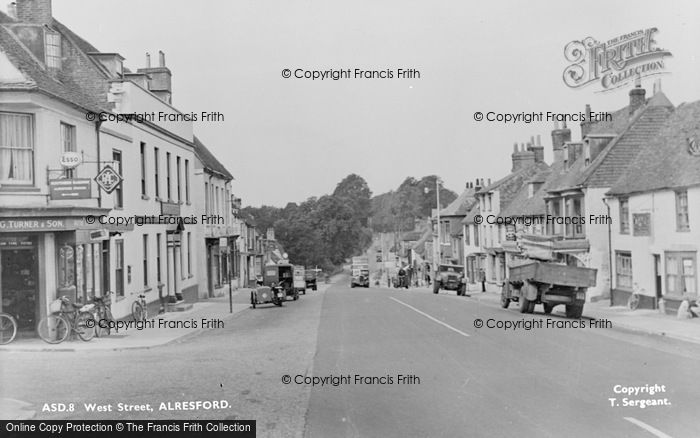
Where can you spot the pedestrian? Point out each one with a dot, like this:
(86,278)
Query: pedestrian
(694,308)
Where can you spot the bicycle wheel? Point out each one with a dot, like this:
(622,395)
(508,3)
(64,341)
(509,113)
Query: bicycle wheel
(53,329)
(137,311)
(85,330)
(8,328)
(102,319)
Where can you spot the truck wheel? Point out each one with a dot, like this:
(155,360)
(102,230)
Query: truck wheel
(313,288)
(531,307)
(548,308)
(252,300)
(574,311)
(524,304)
(505,302)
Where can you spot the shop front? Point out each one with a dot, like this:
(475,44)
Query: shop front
(44,258)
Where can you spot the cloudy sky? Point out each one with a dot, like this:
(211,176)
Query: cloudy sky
(288,139)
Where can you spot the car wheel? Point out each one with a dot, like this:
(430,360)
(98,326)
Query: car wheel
(505,301)
(436,287)
(548,308)
(524,304)
(574,310)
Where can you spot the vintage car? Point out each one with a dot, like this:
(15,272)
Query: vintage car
(299,280)
(311,278)
(281,276)
(450,277)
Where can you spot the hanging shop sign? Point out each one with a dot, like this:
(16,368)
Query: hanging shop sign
(108,179)
(78,188)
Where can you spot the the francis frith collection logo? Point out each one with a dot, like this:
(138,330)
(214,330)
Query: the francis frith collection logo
(616,62)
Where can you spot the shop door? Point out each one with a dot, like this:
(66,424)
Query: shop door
(19,285)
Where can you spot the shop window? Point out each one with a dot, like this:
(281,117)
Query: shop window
(682,222)
(119,268)
(66,266)
(624,216)
(681,273)
(16,148)
(623,270)
(68,144)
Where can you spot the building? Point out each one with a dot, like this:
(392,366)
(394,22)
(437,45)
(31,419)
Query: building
(451,230)
(580,235)
(655,207)
(219,224)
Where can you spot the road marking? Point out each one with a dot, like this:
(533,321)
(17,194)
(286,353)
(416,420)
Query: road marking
(651,430)
(431,318)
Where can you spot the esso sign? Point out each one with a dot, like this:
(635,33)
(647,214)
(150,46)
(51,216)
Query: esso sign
(70,160)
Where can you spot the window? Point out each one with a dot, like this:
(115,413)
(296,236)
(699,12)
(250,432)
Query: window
(206,198)
(533,188)
(623,270)
(187,181)
(624,216)
(156,164)
(53,49)
(490,199)
(189,253)
(681,273)
(574,227)
(119,267)
(179,189)
(158,274)
(554,227)
(68,144)
(16,148)
(118,192)
(145,259)
(476,235)
(682,219)
(143,169)
(167,175)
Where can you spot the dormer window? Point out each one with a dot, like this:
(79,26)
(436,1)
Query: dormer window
(53,49)
(532,188)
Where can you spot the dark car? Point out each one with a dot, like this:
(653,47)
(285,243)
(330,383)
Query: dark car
(450,277)
(310,276)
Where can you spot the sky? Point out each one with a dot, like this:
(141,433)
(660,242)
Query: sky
(286,139)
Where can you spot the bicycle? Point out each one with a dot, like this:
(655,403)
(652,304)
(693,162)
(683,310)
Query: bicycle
(633,300)
(8,328)
(103,314)
(66,319)
(139,309)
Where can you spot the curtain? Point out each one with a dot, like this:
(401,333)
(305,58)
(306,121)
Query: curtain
(16,148)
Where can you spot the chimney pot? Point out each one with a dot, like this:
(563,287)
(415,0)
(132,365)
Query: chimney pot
(148,60)
(637,98)
(515,148)
(12,10)
(161,58)
(539,140)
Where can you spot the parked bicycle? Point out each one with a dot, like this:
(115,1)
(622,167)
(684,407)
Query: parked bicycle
(66,319)
(139,310)
(8,328)
(633,300)
(103,314)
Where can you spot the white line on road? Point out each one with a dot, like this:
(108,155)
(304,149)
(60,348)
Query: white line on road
(651,430)
(431,318)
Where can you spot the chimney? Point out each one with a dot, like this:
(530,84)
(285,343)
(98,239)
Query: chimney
(588,124)
(522,158)
(573,152)
(538,150)
(12,10)
(34,11)
(559,137)
(637,96)
(160,78)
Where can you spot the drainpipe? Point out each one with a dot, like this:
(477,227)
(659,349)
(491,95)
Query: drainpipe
(99,161)
(610,264)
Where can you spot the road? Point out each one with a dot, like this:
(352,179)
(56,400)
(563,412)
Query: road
(463,381)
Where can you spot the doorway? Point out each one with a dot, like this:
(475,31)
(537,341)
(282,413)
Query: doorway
(19,285)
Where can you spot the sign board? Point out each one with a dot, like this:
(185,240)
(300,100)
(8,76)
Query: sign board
(641,223)
(169,208)
(99,235)
(108,179)
(78,188)
(223,241)
(69,160)
(20,241)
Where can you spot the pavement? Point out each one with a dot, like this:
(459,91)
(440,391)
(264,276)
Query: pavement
(162,332)
(643,321)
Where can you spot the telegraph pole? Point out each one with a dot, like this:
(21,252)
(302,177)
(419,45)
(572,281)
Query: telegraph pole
(438,243)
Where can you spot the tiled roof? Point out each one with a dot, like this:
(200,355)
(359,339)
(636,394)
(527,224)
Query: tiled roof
(509,186)
(607,167)
(69,87)
(469,218)
(522,204)
(461,205)
(209,160)
(665,162)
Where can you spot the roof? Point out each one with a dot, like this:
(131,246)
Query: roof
(475,210)
(209,160)
(461,205)
(665,162)
(419,246)
(523,204)
(86,90)
(509,186)
(607,166)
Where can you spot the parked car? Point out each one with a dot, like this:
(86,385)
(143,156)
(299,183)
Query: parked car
(450,277)
(311,278)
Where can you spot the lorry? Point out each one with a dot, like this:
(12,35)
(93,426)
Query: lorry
(532,282)
(359,272)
